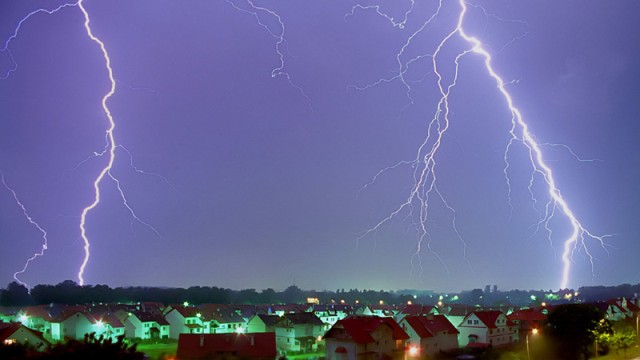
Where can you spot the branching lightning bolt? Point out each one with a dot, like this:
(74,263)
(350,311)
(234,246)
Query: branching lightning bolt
(425,180)
(280,38)
(45,241)
(109,150)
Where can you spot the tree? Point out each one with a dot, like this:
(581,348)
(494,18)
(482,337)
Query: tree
(622,340)
(15,294)
(574,326)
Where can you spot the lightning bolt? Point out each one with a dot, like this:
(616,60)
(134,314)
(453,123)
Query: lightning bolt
(424,174)
(281,42)
(109,149)
(45,241)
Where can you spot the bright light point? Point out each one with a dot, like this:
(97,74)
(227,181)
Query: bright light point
(414,350)
(381,302)
(240,330)
(543,304)
(533,297)
(199,315)
(24,318)
(409,302)
(440,303)
(99,323)
(534,331)
(185,304)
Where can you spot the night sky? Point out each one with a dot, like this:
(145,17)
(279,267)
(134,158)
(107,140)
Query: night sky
(242,179)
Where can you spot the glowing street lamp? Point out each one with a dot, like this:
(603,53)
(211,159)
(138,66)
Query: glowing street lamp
(533,331)
(411,351)
(24,318)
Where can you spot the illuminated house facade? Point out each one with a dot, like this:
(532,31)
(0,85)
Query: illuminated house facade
(184,320)
(365,338)
(16,333)
(296,332)
(73,326)
(431,334)
(145,326)
(260,323)
(488,328)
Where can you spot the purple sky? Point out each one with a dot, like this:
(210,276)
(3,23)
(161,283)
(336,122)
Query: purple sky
(258,178)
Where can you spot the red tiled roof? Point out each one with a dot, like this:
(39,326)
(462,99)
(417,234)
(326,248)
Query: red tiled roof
(527,315)
(429,326)
(489,318)
(359,328)
(8,329)
(207,346)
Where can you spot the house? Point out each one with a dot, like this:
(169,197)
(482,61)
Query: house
(220,319)
(487,328)
(365,338)
(185,320)
(256,346)
(431,334)
(262,323)
(109,326)
(36,318)
(17,333)
(331,313)
(528,319)
(381,310)
(144,325)
(416,310)
(73,324)
(296,332)
(611,311)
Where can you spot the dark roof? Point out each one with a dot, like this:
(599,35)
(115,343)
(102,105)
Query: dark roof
(417,309)
(269,320)
(208,346)
(150,317)
(302,318)
(359,328)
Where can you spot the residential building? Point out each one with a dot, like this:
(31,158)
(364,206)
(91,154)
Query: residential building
(365,338)
(487,328)
(431,334)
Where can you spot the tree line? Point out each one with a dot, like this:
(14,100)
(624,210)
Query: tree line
(69,292)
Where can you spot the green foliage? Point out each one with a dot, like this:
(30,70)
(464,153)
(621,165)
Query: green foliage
(622,340)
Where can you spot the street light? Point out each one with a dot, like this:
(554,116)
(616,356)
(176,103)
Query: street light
(533,331)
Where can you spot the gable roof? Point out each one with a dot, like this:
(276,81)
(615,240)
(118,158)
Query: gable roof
(150,317)
(527,315)
(206,346)
(302,318)
(8,329)
(489,318)
(268,320)
(429,326)
(359,328)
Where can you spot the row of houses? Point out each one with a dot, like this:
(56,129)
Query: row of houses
(299,327)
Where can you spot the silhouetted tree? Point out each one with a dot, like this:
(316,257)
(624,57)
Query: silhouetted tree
(574,326)
(15,294)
